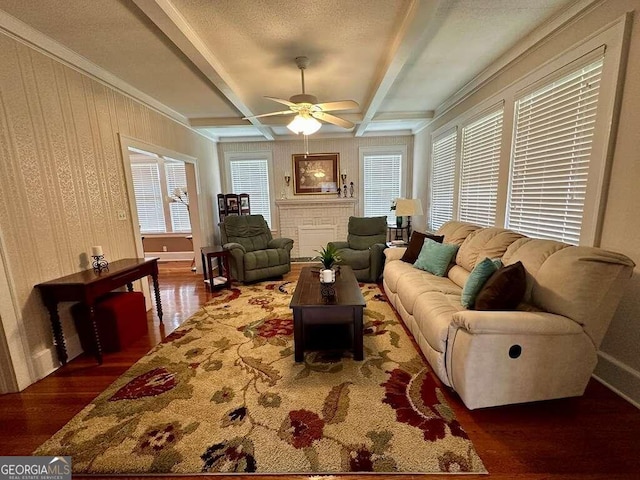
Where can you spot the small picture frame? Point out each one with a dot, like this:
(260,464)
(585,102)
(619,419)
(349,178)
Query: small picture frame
(316,173)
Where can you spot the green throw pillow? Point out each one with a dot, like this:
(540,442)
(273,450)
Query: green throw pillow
(435,257)
(477,278)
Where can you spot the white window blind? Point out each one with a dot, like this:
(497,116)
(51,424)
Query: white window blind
(443,158)
(177,178)
(252,177)
(550,160)
(481,142)
(382,185)
(149,202)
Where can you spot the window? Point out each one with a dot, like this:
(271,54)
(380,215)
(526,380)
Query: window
(146,184)
(443,162)
(251,175)
(480,163)
(155,178)
(554,129)
(382,173)
(177,179)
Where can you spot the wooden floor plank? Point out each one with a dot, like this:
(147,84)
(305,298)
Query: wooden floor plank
(594,437)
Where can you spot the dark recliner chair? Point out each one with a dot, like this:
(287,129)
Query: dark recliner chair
(363,250)
(255,254)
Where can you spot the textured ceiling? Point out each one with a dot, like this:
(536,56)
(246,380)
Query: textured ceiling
(214,61)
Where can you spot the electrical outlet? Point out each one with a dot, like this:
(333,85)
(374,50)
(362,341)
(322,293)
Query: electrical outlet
(122,215)
(164,248)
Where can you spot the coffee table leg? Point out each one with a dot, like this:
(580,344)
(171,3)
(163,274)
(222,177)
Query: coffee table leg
(298,335)
(358,350)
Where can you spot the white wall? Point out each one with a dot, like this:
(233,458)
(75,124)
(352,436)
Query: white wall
(619,364)
(62,180)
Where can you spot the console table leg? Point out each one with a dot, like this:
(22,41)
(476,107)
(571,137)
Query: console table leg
(58,335)
(156,289)
(96,336)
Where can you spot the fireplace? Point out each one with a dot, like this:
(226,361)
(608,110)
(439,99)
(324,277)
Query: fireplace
(313,222)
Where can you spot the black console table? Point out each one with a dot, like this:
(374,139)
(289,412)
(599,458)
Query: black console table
(88,286)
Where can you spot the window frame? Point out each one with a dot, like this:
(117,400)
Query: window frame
(401,150)
(160,160)
(267,155)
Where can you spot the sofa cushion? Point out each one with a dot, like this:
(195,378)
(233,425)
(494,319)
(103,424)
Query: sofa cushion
(435,257)
(503,290)
(479,275)
(456,232)
(415,245)
(484,243)
(270,257)
(413,285)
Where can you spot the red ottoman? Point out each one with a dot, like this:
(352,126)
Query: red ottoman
(121,318)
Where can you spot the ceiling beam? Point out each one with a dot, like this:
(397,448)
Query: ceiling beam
(415,28)
(173,24)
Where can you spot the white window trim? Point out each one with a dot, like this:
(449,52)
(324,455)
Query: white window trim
(255,155)
(401,150)
(613,37)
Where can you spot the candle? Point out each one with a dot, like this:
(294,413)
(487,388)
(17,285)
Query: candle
(327,276)
(96,251)
(287,174)
(344,172)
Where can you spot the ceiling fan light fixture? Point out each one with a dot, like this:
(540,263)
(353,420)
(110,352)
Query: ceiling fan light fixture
(306,125)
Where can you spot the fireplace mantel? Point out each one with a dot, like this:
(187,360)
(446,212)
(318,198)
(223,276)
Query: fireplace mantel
(329,201)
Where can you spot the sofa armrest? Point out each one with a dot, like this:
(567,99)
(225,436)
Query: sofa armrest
(515,322)
(339,245)
(284,243)
(394,253)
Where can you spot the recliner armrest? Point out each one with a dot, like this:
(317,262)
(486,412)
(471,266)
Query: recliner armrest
(339,245)
(234,246)
(515,322)
(284,243)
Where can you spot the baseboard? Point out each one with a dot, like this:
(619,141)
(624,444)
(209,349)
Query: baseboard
(46,361)
(171,256)
(618,377)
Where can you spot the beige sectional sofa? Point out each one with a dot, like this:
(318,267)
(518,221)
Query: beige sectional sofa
(546,349)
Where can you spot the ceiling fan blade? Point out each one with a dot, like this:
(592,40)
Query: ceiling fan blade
(341,122)
(339,105)
(282,101)
(283,112)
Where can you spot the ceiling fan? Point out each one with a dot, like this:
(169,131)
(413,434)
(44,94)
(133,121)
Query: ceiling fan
(307,109)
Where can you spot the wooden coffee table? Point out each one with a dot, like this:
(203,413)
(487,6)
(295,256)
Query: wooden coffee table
(312,312)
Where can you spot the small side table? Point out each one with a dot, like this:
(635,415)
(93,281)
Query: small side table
(224,271)
(399,232)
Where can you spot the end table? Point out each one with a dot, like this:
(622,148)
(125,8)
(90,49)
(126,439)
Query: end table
(223,279)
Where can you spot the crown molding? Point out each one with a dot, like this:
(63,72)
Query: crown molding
(44,44)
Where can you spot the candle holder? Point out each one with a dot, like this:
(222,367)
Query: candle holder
(351,189)
(343,176)
(99,263)
(287,179)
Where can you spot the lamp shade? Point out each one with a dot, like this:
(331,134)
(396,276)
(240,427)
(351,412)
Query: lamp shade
(406,207)
(304,125)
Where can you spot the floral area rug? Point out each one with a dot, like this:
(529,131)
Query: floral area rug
(223,394)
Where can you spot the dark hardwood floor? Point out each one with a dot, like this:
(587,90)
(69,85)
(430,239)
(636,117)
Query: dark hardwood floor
(596,436)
